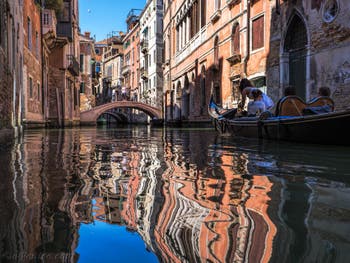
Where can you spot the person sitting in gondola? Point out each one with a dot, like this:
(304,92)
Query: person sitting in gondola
(246,88)
(257,106)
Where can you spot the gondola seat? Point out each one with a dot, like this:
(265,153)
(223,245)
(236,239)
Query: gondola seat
(295,106)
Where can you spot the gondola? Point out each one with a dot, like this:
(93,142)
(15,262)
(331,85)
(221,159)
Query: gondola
(291,122)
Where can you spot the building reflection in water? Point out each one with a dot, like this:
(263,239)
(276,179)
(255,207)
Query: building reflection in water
(191,196)
(214,214)
(40,186)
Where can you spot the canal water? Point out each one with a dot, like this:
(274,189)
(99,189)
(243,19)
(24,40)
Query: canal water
(141,194)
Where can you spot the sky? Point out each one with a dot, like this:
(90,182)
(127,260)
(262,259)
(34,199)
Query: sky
(101,17)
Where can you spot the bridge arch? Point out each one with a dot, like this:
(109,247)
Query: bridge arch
(89,117)
(118,116)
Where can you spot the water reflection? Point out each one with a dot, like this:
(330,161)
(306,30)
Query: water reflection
(190,195)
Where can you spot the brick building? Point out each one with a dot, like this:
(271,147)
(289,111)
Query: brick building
(32,69)
(310,47)
(87,72)
(209,46)
(131,63)
(64,80)
(111,67)
(99,47)
(11,63)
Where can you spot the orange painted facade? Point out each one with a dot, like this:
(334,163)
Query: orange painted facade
(209,47)
(131,63)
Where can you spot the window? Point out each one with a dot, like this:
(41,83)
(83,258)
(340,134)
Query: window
(154,81)
(97,51)
(132,56)
(217,5)
(177,39)
(259,82)
(194,22)
(258,33)
(98,67)
(203,12)
(29,33)
(37,44)
(46,19)
(38,91)
(109,71)
(30,87)
(65,15)
(154,56)
(75,94)
(330,10)
(81,62)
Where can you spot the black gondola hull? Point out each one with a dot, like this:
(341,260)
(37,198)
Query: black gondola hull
(329,128)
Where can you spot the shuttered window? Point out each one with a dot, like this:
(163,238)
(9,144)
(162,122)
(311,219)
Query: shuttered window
(258,33)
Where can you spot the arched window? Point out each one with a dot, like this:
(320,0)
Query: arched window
(235,43)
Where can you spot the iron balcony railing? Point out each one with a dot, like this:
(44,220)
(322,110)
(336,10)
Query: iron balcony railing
(73,65)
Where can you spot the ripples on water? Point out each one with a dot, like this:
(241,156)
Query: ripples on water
(147,195)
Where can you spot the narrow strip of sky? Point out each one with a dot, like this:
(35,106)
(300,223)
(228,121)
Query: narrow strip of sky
(101,17)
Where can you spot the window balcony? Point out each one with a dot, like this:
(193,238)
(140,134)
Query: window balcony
(65,29)
(126,69)
(73,65)
(215,16)
(144,46)
(144,73)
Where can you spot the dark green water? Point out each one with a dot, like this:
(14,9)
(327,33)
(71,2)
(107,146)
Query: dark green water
(169,195)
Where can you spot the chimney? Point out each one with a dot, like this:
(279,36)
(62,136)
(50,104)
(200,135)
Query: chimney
(87,34)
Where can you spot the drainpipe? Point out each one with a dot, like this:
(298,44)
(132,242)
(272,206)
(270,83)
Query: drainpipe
(247,39)
(43,84)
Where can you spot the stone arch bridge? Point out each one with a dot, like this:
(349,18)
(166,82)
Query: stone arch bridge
(90,117)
